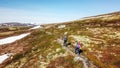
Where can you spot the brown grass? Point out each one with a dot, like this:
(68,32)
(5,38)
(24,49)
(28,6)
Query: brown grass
(66,62)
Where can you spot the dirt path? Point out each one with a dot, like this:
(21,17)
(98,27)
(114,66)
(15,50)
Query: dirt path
(87,63)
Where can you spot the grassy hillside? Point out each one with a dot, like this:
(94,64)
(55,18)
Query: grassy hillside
(99,36)
(40,50)
(13,30)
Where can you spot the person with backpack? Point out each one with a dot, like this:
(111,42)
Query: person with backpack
(77,48)
(65,41)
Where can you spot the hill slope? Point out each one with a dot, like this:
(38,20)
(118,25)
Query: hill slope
(99,36)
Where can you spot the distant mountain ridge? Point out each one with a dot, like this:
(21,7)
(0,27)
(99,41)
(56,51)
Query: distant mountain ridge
(16,24)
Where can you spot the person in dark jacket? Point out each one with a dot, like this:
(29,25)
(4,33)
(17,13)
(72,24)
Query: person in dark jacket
(65,41)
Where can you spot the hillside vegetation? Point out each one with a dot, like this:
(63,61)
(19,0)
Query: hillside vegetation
(7,31)
(99,36)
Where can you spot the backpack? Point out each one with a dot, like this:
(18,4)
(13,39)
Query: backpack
(78,45)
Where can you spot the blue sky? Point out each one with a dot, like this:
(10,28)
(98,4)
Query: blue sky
(52,11)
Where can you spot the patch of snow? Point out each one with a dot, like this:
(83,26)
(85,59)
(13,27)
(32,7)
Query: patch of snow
(4,57)
(61,26)
(12,39)
(36,27)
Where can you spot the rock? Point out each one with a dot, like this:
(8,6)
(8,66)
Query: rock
(76,59)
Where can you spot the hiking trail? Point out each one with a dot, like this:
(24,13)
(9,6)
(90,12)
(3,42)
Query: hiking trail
(86,62)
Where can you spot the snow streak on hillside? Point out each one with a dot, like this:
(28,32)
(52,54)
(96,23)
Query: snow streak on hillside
(12,39)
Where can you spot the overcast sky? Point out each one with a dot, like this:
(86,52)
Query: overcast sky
(52,11)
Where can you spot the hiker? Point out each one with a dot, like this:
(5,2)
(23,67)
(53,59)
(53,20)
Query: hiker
(65,39)
(77,48)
